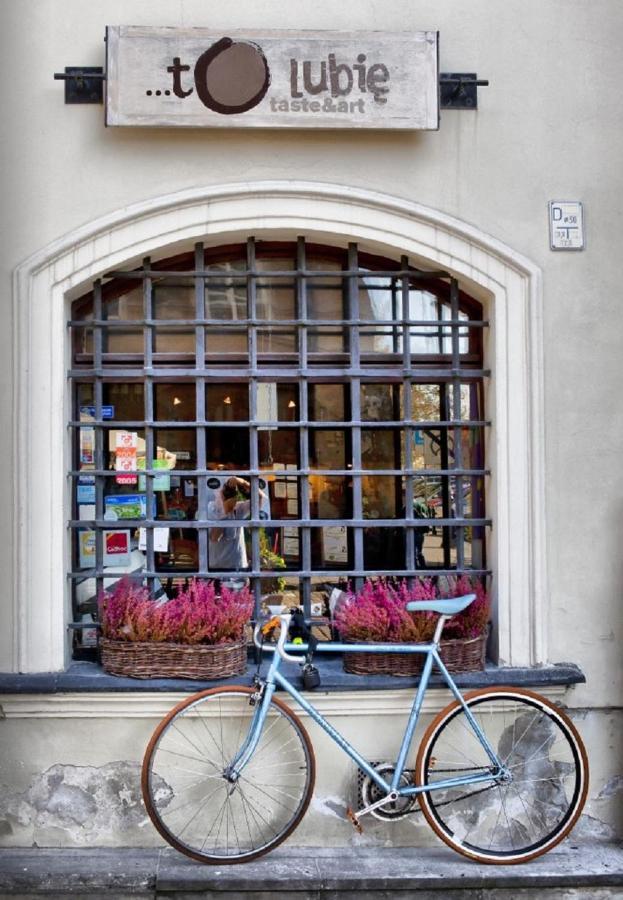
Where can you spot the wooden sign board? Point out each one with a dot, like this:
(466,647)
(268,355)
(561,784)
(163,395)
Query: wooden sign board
(200,78)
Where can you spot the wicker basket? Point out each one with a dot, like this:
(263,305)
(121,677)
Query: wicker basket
(464,654)
(460,655)
(164,660)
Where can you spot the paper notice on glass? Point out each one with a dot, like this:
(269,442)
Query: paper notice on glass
(126,439)
(278,467)
(291,467)
(85,493)
(161,482)
(86,549)
(335,543)
(291,489)
(267,405)
(117,548)
(161,539)
(125,461)
(290,546)
(87,447)
(279,490)
(292,507)
(290,542)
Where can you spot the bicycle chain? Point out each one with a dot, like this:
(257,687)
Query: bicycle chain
(483,790)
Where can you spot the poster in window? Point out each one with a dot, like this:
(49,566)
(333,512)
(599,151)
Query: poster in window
(117,548)
(290,542)
(335,544)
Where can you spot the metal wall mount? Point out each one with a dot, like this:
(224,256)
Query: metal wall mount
(83,84)
(459,90)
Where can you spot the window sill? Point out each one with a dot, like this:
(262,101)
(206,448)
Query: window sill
(86,677)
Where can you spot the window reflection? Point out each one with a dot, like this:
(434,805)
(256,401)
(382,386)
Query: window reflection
(174,302)
(328,448)
(330,497)
(227,402)
(327,402)
(382,448)
(380,402)
(226,299)
(174,402)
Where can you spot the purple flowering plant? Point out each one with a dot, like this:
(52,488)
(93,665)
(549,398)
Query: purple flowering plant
(197,615)
(474,620)
(378,612)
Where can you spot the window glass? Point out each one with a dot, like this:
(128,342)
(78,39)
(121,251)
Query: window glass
(227,402)
(328,402)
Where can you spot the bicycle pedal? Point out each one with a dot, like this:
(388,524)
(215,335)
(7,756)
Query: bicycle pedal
(354,821)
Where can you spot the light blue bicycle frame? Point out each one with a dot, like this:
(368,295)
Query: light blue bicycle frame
(275,679)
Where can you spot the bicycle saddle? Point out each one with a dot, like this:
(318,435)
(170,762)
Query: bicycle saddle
(449,607)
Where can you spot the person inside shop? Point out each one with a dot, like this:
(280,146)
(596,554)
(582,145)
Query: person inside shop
(227,548)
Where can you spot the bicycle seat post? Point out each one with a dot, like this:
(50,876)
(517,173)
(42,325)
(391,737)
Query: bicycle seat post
(439,628)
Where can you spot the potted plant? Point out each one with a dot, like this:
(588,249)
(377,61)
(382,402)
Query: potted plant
(198,634)
(377,614)
(464,641)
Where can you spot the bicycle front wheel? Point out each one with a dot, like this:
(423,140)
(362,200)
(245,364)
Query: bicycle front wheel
(503,822)
(190,800)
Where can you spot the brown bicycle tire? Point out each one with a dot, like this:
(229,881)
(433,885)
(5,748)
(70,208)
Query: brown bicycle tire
(153,814)
(443,716)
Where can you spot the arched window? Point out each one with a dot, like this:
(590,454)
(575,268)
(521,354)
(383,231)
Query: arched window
(344,391)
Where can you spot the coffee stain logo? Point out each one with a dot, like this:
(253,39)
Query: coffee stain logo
(230,77)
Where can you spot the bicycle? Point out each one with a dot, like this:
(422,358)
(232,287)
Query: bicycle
(501,774)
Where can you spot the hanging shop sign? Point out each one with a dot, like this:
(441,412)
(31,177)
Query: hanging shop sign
(197,77)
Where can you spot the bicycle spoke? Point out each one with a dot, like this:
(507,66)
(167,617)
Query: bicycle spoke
(256,811)
(255,786)
(521,817)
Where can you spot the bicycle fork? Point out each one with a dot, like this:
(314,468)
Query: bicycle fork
(261,700)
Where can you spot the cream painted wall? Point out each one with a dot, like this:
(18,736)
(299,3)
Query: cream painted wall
(73,780)
(549,127)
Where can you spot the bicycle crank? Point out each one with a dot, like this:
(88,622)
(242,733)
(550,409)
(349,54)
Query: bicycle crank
(354,818)
(389,809)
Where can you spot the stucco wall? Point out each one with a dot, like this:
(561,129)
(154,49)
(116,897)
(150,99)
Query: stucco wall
(75,781)
(548,127)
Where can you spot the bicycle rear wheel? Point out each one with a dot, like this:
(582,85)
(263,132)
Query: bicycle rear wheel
(510,822)
(188,797)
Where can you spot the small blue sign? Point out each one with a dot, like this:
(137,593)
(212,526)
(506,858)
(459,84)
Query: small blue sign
(108,412)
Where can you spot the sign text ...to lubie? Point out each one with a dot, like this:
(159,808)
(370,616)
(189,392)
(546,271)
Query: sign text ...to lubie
(201,78)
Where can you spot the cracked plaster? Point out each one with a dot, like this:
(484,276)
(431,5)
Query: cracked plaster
(82,804)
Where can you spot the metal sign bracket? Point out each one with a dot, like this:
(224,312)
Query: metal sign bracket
(459,90)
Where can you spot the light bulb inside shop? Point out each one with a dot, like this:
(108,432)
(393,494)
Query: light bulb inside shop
(176,401)
(291,405)
(227,400)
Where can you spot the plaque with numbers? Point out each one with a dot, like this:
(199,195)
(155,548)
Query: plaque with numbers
(566,225)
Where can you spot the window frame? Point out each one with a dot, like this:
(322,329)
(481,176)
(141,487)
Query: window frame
(402,367)
(509,284)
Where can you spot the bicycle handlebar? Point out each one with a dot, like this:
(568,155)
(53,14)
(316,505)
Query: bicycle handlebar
(283,636)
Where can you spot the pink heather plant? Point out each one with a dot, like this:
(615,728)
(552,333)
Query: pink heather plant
(377,612)
(473,621)
(196,616)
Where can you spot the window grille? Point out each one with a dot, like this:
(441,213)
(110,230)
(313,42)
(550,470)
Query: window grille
(346,389)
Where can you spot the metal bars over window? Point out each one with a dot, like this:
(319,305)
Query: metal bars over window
(335,399)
